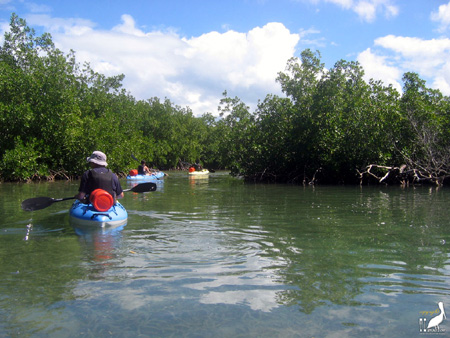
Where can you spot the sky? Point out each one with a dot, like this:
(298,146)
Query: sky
(191,51)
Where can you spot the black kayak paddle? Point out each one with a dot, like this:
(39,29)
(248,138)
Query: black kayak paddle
(38,203)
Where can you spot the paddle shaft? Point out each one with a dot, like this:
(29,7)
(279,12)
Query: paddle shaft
(38,203)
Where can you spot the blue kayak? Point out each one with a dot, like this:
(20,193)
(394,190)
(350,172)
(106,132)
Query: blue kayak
(86,215)
(154,176)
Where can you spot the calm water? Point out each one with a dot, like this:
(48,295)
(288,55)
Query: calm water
(217,258)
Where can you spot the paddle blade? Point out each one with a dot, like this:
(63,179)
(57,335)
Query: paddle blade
(144,187)
(37,203)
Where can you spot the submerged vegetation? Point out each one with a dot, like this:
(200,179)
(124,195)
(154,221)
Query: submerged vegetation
(331,127)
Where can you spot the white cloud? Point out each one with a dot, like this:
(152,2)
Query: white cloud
(347,4)
(128,27)
(442,82)
(376,67)
(396,55)
(442,16)
(318,42)
(442,79)
(262,300)
(189,71)
(243,60)
(59,25)
(4,27)
(37,8)
(411,46)
(391,11)
(424,57)
(366,10)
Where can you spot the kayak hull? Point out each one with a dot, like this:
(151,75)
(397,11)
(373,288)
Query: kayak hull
(155,176)
(85,215)
(199,172)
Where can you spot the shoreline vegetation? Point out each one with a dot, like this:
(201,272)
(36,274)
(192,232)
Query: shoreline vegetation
(332,127)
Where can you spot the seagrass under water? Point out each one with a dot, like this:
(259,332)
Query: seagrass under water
(213,257)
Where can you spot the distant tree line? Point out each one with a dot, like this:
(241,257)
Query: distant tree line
(54,112)
(331,127)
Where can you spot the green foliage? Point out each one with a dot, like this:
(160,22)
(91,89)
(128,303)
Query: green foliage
(426,114)
(236,129)
(71,110)
(22,162)
(343,120)
(331,125)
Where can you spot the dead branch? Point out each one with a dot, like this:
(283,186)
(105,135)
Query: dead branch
(404,175)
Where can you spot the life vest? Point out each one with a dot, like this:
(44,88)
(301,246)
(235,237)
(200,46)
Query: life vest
(141,170)
(102,180)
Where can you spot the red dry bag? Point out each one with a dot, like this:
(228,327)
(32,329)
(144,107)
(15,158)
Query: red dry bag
(101,200)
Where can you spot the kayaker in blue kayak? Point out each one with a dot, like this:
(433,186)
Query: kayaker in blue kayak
(99,177)
(143,169)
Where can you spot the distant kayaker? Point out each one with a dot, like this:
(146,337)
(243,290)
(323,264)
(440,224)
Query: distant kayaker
(143,169)
(197,166)
(99,177)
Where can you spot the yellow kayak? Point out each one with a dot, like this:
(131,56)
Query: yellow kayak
(199,172)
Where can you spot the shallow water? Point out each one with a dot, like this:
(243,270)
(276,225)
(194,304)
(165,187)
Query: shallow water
(213,257)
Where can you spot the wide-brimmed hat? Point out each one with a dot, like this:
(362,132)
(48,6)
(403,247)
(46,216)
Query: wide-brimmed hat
(97,157)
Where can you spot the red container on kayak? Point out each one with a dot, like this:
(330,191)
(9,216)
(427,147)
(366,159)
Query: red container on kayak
(101,200)
(133,172)
(191,169)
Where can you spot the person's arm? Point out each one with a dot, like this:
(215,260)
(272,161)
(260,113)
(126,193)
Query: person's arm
(80,196)
(117,187)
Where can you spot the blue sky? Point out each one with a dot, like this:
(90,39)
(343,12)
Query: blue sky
(192,51)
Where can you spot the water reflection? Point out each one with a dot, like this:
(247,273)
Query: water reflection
(199,179)
(100,248)
(216,257)
(307,258)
